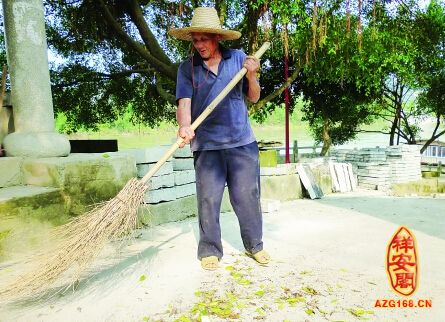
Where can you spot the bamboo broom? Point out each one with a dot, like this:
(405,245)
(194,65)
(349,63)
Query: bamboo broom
(82,239)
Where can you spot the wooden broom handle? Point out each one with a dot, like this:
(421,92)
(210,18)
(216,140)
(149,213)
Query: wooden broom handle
(204,114)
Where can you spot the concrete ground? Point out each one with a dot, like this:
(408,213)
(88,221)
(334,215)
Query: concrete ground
(328,265)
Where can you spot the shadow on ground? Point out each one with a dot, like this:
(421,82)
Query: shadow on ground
(103,276)
(424,214)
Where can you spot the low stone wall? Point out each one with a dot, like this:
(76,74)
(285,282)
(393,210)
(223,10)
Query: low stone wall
(283,181)
(172,191)
(378,168)
(80,179)
(174,180)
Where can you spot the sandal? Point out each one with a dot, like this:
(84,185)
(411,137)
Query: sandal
(262,257)
(210,263)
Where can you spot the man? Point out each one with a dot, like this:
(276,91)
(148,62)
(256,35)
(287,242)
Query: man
(224,147)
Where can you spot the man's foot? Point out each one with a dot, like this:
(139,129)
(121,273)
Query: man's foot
(210,263)
(262,257)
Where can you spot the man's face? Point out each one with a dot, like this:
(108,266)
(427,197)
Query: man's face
(205,44)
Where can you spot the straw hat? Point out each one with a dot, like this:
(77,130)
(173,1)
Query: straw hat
(204,20)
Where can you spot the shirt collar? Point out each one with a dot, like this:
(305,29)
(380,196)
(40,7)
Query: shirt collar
(225,53)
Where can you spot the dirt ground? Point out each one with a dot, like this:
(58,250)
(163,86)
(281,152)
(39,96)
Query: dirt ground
(328,265)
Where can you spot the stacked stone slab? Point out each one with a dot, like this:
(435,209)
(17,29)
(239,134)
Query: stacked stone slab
(174,180)
(405,161)
(184,172)
(377,168)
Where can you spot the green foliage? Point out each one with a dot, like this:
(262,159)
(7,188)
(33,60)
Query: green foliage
(342,105)
(430,66)
(116,62)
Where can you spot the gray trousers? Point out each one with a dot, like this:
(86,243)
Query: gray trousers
(239,168)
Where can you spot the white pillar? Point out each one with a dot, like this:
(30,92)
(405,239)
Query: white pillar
(27,54)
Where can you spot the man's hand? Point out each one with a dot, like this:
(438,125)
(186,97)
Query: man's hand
(187,133)
(252,65)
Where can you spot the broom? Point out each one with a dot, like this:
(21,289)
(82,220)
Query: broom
(82,239)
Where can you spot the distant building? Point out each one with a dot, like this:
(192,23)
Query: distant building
(434,153)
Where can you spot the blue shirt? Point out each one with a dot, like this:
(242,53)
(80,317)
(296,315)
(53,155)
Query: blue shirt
(228,125)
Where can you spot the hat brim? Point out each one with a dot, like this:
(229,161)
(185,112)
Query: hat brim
(186,33)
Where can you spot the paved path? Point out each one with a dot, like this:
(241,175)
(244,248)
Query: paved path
(329,265)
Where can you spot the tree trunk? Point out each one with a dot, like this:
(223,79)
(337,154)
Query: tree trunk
(327,141)
(393,129)
(434,136)
(253,15)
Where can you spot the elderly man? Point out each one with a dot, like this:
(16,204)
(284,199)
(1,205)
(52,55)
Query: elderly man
(224,147)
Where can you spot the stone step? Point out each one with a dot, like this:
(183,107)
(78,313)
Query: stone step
(44,203)
(27,215)
(15,193)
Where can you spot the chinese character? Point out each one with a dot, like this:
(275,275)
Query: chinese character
(405,280)
(403,243)
(401,262)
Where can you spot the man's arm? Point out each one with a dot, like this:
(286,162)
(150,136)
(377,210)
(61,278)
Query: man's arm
(252,65)
(184,119)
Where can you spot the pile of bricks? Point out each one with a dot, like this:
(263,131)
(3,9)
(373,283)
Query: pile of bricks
(377,168)
(174,180)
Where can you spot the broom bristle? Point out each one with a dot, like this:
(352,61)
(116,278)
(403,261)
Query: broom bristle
(81,240)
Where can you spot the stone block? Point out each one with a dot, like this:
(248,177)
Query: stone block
(183,164)
(178,209)
(10,171)
(30,204)
(422,187)
(161,181)
(148,155)
(160,213)
(323,178)
(268,158)
(160,195)
(28,215)
(143,168)
(185,190)
(184,177)
(287,187)
(185,152)
(96,176)
(279,170)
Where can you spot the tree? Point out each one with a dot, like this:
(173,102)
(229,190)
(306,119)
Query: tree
(405,52)
(116,53)
(334,110)
(338,93)
(430,66)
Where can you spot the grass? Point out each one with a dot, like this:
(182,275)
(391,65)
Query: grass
(166,134)
(140,136)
